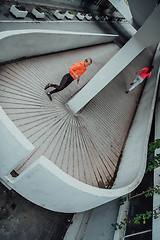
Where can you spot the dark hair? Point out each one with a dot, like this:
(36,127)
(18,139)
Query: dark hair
(150,69)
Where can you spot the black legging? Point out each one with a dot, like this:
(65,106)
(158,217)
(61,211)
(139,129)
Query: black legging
(66,80)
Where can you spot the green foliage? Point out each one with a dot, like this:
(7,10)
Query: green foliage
(150,191)
(21,7)
(117,225)
(89,14)
(155,162)
(70,12)
(123,199)
(39,9)
(154,145)
(138,219)
(142,217)
(61,12)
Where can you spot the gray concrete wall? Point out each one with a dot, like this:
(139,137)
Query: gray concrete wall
(26,43)
(46,185)
(156,198)
(13,145)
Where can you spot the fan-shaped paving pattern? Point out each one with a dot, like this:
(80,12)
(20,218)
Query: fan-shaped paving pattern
(86,146)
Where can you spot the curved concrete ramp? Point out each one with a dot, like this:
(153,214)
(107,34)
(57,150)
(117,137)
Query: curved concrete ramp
(88,146)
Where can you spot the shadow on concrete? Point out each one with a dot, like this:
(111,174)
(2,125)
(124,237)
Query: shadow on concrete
(21,219)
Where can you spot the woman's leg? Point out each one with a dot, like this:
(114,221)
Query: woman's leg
(66,80)
(137,81)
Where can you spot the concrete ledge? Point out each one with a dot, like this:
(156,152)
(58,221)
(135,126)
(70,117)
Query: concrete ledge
(77,228)
(122,214)
(13,145)
(156,197)
(46,185)
(156,203)
(26,43)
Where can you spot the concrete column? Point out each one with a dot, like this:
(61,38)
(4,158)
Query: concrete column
(146,36)
(123,9)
